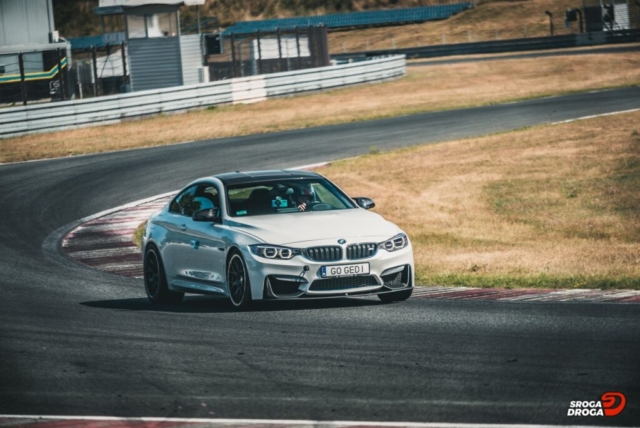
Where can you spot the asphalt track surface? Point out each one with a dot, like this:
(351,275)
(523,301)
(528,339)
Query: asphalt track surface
(561,52)
(75,341)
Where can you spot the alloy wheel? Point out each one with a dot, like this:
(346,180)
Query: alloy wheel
(152,273)
(237,278)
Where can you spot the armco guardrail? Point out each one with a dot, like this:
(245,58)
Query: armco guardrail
(502,46)
(113,109)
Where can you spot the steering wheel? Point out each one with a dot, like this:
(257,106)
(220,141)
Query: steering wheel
(321,206)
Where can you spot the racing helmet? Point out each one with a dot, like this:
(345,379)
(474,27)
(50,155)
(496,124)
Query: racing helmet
(306,190)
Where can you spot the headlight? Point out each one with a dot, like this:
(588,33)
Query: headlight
(274,252)
(398,242)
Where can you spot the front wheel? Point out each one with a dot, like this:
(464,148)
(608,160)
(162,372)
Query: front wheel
(155,280)
(396,296)
(238,281)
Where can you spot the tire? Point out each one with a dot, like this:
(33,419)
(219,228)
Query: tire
(396,296)
(155,279)
(238,282)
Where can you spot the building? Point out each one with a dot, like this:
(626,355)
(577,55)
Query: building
(159,56)
(31,52)
(611,15)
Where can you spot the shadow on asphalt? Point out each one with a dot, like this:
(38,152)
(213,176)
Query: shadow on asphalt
(200,304)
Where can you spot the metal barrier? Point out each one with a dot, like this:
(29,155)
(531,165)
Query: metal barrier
(113,109)
(354,19)
(502,46)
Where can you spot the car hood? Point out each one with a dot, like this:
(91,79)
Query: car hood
(297,228)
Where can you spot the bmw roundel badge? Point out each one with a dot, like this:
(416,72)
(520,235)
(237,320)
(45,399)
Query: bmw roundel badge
(342,241)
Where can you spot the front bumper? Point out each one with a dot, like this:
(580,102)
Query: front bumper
(301,277)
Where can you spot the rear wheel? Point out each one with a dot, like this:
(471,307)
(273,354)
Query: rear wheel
(155,280)
(396,296)
(238,281)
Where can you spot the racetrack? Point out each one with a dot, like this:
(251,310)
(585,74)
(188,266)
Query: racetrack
(77,341)
(537,54)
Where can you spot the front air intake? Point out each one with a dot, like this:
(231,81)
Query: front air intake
(284,286)
(361,251)
(396,277)
(324,254)
(343,283)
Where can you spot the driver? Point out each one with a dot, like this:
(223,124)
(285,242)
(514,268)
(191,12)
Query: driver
(305,196)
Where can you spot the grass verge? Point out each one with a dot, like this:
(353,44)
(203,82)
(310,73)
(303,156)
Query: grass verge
(136,237)
(547,207)
(423,89)
(554,207)
(496,20)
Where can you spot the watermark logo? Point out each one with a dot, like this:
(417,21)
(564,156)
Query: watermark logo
(610,404)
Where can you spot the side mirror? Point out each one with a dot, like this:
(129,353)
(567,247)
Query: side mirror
(366,203)
(209,214)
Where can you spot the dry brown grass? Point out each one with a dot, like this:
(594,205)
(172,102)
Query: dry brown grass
(76,17)
(553,206)
(488,21)
(423,89)
(136,237)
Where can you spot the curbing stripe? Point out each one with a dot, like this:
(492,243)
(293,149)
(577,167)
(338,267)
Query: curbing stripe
(48,421)
(103,241)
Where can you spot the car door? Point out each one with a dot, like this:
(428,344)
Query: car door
(174,221)
(201,252)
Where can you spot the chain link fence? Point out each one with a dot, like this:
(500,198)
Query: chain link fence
(34,77)
(100,71)
(269,52)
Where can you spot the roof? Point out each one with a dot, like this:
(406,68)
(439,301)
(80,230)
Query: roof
(134,3)
(116,7)
(353,19)
(238,177)
(86,42)
(36,47)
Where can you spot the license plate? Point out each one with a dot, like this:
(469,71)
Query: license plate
(344,270)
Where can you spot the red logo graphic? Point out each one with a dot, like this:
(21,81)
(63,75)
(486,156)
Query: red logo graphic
(609,400)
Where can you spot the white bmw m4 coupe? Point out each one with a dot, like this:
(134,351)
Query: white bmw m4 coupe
(279,235)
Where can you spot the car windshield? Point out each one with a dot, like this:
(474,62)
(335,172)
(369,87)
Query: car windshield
(285,196)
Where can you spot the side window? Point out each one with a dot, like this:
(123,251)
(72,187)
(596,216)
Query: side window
(183,203)
(207,197)
(199,197)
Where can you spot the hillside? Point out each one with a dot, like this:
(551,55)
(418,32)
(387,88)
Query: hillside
(490,20)
(76,18)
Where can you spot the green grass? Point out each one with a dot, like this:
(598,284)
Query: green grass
(543,207)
